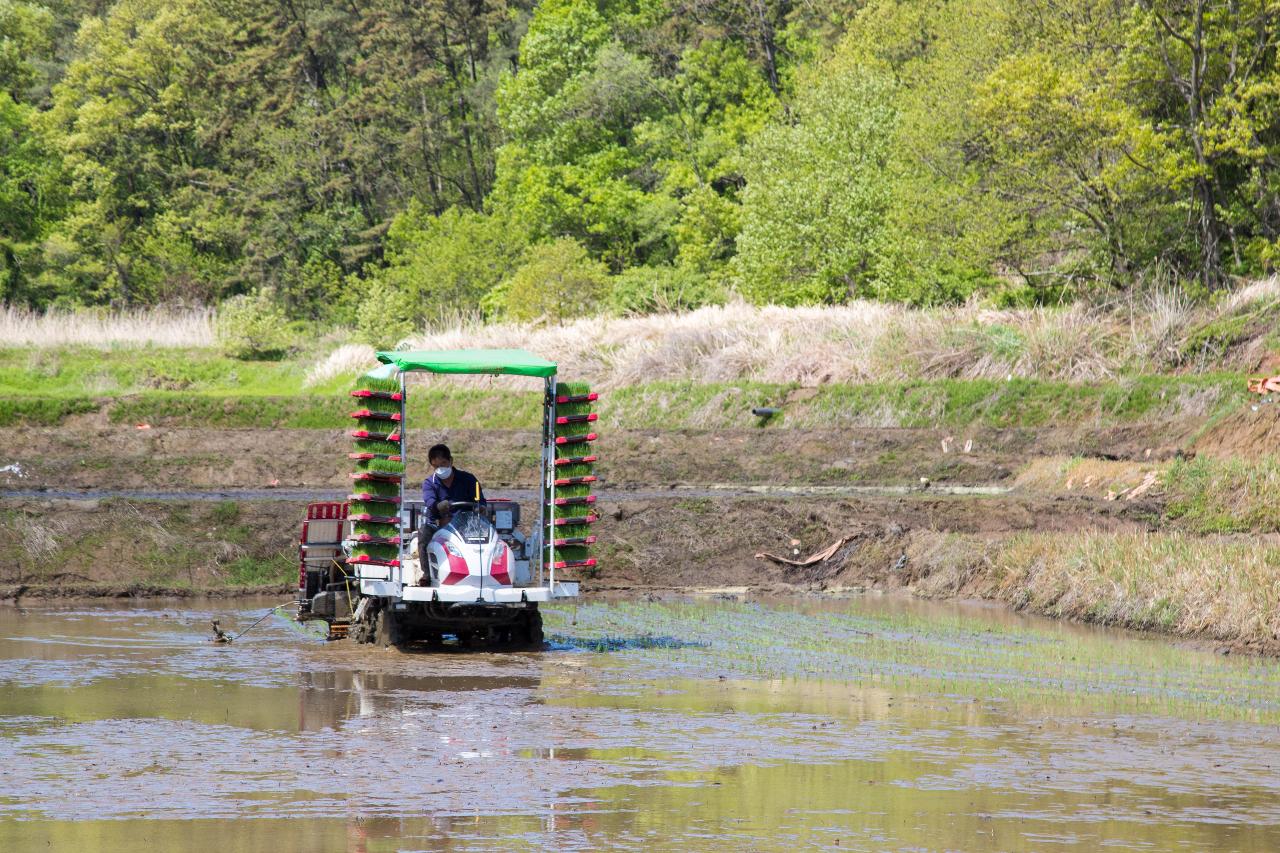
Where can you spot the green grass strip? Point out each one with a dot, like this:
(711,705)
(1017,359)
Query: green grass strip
(42,411)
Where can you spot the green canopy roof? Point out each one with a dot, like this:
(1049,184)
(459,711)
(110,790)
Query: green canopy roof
(516,362)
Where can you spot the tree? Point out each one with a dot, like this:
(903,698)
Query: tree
(571,167)
(1210,70)
(813,211)
(557,281)
(125,120)
(31,198)
(447,263)
(26,36)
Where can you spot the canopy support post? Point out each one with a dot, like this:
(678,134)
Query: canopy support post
(404,461)
(550,480)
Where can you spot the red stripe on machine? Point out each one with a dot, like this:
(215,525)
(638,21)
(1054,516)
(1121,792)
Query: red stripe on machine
(458,570)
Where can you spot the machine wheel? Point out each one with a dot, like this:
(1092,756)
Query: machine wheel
(386,629)
(531,628)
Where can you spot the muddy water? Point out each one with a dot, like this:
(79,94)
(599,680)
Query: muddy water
(858,724)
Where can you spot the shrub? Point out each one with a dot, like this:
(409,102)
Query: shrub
(657,290)
(557,280)
(252,326)
(385,315)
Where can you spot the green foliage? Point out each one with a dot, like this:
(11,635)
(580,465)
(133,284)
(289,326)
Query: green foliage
(26,37)
(385,315)
(1211,495)
(41,411)
(557,281)
(650,290)
(32,197)
(383,165)
(252,327)
(275,570)
(808,236)
(443,265)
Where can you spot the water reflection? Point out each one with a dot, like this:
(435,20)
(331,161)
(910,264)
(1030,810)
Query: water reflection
(329,697)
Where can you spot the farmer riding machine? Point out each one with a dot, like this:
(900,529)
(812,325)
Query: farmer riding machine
(376,570)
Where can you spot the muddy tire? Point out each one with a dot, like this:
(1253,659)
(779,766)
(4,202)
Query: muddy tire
(531,629)
(386,629)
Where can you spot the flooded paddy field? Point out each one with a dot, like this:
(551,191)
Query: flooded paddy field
(868,723)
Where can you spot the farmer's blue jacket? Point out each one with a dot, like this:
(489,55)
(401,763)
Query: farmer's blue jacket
(463,488)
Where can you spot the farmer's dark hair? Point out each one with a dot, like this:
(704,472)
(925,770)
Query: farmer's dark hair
(439,451)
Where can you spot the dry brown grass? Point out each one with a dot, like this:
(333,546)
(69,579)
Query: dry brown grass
(1226,588)
(859,342)
(107,329)
(1092,477)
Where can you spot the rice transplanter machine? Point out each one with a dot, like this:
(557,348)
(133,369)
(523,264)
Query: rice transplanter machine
(374,570)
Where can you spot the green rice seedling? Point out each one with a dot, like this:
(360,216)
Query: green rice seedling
(373,383)
(573,511)
(379,508)
(381,488)
(571,552)
(373,528)
(572,531)
(380,466)
(376,551)
(377,426)
(579,491)
(574,429)
(372,445)
(379,404)
(581,469)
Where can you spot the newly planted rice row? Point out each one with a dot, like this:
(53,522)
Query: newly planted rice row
(1024,662)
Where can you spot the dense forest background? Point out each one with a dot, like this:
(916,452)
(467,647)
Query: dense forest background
(357,161)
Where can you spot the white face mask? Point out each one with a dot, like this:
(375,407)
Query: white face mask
(444,473)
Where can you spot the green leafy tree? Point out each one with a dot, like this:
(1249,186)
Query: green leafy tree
(26,37)
(1210,72)
(253,326)
(557,281)
(385,316)
(571,168)
(125,119)
(813,215)
(31,199)
(652,290)
(446,264)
